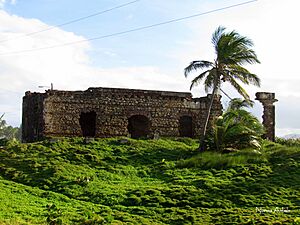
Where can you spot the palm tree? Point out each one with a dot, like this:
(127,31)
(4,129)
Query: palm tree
(2,124)
(232,52)
(236,128)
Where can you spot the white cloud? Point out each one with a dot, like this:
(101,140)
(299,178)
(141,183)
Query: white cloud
(30,69)
(68,67)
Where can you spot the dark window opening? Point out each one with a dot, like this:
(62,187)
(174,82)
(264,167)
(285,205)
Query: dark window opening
(138,126)
(186,126)
(88,124)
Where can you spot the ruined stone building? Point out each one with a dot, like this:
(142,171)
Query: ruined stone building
(107,112)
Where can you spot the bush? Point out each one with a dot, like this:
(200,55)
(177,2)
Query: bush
(288,142)
(235,129)
(3,141)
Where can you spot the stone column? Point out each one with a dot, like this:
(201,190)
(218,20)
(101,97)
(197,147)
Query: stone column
(267,99)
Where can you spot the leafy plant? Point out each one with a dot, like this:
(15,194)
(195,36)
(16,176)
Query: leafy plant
(235,129)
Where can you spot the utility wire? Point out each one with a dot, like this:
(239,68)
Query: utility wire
(129,31)
(71,21)
(225,94)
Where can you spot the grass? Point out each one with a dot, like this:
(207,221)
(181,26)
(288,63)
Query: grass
(165,181)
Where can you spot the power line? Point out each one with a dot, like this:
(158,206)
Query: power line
(131,30)
(72,21)
(225,94)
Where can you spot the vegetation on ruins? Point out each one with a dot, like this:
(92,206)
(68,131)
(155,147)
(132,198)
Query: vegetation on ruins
(233,51)
(164,181)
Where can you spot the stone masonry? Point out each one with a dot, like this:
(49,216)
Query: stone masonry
(267,99)
(108,112)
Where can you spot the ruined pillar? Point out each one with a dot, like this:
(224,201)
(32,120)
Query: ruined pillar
(267,99)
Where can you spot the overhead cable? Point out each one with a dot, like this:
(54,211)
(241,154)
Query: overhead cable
(71,21)
(128,31)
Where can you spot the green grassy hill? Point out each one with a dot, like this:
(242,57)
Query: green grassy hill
(126,181)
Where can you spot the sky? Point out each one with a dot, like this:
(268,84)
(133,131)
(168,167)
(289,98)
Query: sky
(152,58)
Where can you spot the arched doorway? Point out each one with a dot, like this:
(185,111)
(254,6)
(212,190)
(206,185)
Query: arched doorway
(138,126)
(186,126)
(87,123)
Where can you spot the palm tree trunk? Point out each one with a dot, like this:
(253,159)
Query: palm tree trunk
(202,146)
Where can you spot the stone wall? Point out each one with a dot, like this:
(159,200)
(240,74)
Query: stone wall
(106,112)
(32,116)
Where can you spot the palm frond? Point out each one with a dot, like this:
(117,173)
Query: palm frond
(198,79)
(197,65)
(219,32)
(212,80)
(232,48)
(242,74)
(238,103)
(238,88)
(239,40)
(252,79)
(208,83)
(246,56)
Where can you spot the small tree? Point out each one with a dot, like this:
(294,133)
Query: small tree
(236,128)
(8,132)
(2,126)
(232,52)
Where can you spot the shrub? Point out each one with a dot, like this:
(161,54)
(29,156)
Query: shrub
(288,142)
(235,129)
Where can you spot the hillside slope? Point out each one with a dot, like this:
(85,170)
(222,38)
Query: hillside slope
(126,181)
